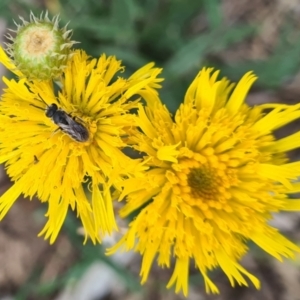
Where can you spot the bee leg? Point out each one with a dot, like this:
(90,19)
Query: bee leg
(55,131)
(77,118)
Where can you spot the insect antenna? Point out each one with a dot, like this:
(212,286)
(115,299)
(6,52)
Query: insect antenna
(42,101)
(36,106)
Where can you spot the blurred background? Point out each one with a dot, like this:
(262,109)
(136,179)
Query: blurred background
(181,36)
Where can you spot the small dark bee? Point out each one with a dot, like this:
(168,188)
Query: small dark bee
(66,122)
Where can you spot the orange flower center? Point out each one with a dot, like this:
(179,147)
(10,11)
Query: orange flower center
(206,184)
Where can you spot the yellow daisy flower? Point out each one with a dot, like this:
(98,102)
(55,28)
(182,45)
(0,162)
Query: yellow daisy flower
(216,174)
(71,155)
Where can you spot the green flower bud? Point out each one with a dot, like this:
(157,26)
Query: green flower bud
(40,49)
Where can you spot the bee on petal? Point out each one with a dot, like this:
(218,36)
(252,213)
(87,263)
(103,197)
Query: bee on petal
(66,122)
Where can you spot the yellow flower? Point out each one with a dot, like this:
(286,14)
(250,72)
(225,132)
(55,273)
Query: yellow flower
(80,148)
(216,174)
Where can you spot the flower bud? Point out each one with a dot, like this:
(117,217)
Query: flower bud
(40,49)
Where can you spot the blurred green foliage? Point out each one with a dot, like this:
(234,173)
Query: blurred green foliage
(166,32)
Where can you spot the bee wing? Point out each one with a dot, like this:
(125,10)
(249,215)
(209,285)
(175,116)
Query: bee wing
(75,129)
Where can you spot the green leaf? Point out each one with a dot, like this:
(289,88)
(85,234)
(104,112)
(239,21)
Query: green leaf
(191,55)
(123,14)
(275,70)
(101,28)
(129,57)
(213,9)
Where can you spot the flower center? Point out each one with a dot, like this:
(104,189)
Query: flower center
(201,181)
(38,41)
